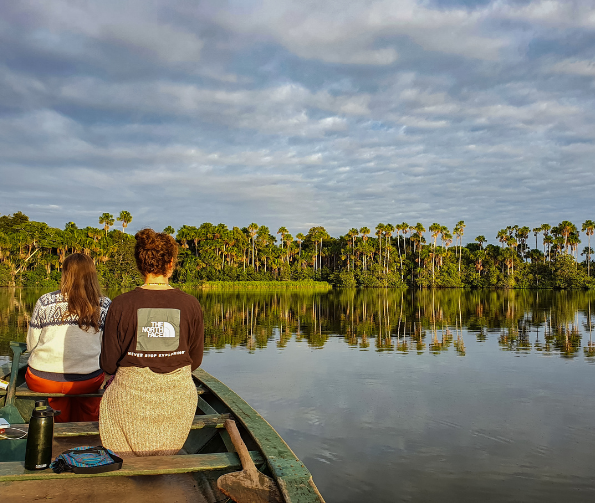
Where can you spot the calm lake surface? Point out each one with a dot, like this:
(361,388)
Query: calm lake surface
(409,396)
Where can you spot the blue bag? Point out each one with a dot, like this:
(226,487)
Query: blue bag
(87,460)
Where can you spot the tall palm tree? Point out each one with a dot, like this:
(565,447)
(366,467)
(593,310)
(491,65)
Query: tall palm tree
(547,241)
(282,231)
(379,233)
(522,235)
(502,236)
(364,231)
(545,228)
(125,217)
(420,229)
(481,240)
(404,229)
(566,228)
(300,237)
(252,229)
(288,240)
(388,232)
(460,230)
(434,230)
(536,231)
(588,228)
(107,220)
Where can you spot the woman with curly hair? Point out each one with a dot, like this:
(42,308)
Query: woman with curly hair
(153,340)
(64,341)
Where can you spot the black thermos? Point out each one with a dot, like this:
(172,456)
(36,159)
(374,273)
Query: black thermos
(38,454)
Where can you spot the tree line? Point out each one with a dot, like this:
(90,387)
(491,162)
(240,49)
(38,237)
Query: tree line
(394,256)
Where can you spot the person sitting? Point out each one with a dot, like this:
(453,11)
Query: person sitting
(64,341)
(153,340)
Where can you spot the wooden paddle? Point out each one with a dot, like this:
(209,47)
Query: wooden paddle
(248,485)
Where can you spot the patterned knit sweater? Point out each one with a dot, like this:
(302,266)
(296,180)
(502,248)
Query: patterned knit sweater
(56,342)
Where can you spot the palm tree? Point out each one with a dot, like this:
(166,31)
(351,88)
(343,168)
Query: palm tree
(435,229)
(566,228)
(588,228)
(522,236)
(364,231)
(536,232)
(169,230)
(388,232)
(481,240)
(125,217)
(420,229)
(353,233)
(107,220)
(380,233)
(545,228)
(502,236)
(282,231)
(404,229)
(300,237)
(252,229)
(288,240)
(459,231)
(549,241)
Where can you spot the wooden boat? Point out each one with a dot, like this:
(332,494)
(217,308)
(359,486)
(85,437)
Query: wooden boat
(189,476)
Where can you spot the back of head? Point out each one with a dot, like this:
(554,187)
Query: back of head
(154,252)
(80,287)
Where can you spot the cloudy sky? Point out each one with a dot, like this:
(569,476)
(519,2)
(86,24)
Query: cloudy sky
(341,113)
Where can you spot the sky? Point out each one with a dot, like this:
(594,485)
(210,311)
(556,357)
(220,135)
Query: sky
(299,113)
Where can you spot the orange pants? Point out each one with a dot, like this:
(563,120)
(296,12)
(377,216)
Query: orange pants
(73,409)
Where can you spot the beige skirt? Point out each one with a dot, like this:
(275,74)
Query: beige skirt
(143,413)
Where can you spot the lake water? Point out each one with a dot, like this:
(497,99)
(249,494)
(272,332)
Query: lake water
(410,396)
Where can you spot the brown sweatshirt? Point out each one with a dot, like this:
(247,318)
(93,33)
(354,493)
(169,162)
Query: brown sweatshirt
(159,329)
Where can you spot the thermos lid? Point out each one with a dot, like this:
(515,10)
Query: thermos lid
(42,409)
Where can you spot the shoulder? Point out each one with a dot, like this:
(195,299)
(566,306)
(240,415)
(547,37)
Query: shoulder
(48,299)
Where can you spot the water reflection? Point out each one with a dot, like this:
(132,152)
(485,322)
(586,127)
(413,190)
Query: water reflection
(413,322)
(406,322)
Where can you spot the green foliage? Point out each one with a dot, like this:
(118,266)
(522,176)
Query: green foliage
(31,254)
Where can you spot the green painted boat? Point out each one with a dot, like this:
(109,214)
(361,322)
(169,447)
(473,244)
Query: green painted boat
(188,476)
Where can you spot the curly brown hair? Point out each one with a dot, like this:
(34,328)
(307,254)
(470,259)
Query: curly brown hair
(80,288)
(154,251)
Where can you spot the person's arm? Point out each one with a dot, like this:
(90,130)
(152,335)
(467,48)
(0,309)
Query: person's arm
(34,331)
(111,349)
(197,339)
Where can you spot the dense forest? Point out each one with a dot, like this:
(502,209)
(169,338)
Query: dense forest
(394,256)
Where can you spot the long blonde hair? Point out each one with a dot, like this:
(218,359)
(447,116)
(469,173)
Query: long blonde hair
(80,287)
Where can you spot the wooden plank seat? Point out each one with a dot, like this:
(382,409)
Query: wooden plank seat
(149,465)
(82,429)
(23,391)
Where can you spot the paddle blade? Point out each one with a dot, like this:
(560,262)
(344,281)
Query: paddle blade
(246,487)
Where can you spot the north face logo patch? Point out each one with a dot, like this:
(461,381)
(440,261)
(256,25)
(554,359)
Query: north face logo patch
(158,329)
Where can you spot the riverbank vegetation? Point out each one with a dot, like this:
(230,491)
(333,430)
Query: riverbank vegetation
(393,256)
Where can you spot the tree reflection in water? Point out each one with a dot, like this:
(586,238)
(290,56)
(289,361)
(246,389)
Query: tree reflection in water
(406,321)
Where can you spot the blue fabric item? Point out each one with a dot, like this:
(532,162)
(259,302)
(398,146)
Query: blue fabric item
(86,459)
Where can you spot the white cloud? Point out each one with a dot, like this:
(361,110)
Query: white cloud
(347,32)
(574,67)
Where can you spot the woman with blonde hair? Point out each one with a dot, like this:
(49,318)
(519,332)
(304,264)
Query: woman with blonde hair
(153,340)
(64,341)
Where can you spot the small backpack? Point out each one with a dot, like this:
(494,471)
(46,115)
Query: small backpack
(87,460)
